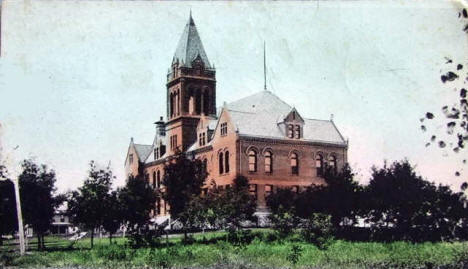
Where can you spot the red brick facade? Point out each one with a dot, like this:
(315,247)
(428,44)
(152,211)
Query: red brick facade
(290,153)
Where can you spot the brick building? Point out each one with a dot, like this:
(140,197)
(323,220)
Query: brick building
(258,136)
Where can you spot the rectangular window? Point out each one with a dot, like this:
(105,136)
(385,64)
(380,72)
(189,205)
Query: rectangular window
(253,190)
(130,158)
(290,131)
(297,131)
(268,190)
(223,129)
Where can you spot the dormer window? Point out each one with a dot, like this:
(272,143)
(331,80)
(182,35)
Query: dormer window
(297,131)
(156,153)
(224,129)
(291,131)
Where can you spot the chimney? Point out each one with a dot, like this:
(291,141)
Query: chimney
(160,127)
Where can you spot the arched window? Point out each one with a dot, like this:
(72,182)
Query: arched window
(268,162)
(154,180)
(319,165)
(297,131)
(221,161)
(294,164)
(252,161)
(158,179)
(290,131)
(206,102)
(332,163)
(226,162)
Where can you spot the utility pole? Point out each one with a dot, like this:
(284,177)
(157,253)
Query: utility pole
(20,217)
(19,214)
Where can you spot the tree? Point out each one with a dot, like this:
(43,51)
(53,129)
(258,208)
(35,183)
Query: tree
(411,207)
(283,215)
(138,199)
(234,205)
(88,206)
(38,200)
(113,215)
(455,116)
(183,181)
(324,198)
(8,219)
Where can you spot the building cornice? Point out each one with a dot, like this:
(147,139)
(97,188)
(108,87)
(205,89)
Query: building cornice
(289,141)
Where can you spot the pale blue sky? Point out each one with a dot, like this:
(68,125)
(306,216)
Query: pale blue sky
(78,79)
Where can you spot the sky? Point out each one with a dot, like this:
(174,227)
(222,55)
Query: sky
(79,78)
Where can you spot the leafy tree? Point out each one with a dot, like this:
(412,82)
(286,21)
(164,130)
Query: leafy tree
(283,214)
(88,206)
(113,215)
(183,181)
(412,207)
(8,219)
(38,203)
(339,197)
(318,229)
(138,199)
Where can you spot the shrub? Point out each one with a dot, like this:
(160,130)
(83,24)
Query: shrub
(318,230)
(294,254)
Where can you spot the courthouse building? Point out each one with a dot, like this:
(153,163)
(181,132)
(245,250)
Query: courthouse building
(259,136)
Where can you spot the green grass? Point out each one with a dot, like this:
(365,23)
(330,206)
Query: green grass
(211,249)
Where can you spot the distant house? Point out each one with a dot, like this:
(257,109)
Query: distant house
(258,136)
(61,224)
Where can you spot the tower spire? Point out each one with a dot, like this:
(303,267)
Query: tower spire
(264,66)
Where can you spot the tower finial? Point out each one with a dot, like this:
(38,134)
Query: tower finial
(264,66)
(190,18)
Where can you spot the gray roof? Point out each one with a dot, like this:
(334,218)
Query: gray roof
(259,115)
(190,46)
(143,151)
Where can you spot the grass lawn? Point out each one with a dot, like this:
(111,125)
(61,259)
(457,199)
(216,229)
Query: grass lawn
(211,249)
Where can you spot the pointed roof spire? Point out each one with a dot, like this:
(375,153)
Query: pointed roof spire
(190,46)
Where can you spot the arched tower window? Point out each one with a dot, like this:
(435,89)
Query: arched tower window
(221,160)
(226,162)
(319,164)
(268,162)
(197,102)
(332,163)
(294,164)
(154,180)
(206,102)
(252,161)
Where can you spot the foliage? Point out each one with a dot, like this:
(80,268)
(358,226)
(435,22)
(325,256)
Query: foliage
(294,254)
(258,254)
(38,203)
(113,215)
(234,205)
(283,216)
(412,207)
(318,229)
(8,219)
(183,181)
(137,199)
(323,198)
(88,206)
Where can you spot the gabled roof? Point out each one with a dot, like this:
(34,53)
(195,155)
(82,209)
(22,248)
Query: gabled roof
(143,151)
(190,46)
(259,115)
